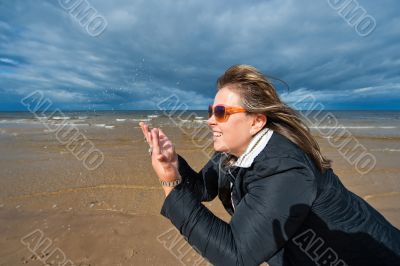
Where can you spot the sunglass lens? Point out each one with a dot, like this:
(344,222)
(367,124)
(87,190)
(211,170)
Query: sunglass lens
(210,110)
(219,112)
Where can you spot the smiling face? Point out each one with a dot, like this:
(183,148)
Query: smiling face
(234,135)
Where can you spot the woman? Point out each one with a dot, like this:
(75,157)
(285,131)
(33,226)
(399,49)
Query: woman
(287,205)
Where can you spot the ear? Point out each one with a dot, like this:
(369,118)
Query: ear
(258,123)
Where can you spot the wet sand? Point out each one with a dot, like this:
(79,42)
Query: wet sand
(110,215)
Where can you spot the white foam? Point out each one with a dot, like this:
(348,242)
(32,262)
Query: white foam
(138,120)
(386,149)
(104,125)
(4,132)
(355,127)
(120,119)
(61,117)
(199,117)
(79,124)
(99,125)
(152,116)
(59,124)
(16,121)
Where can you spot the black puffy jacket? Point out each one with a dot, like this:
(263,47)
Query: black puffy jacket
(284,212)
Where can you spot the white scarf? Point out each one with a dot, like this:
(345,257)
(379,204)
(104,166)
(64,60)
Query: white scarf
(256,145)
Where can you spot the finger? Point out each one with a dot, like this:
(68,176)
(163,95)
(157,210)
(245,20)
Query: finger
(162,134)
(142,126)
(146,132)
(163,140)
(149,137)
(155,141)
(164,137)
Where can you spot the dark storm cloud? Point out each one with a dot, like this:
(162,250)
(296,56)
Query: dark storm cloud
(152,49)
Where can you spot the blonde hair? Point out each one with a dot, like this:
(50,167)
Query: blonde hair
(258,95)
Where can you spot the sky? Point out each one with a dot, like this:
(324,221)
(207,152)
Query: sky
(133,54)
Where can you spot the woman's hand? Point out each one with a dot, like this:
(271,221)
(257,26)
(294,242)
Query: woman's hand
(163,158)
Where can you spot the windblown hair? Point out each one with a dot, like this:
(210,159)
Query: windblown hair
(258,95)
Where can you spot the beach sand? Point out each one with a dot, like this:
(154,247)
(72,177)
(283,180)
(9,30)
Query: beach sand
(111,215)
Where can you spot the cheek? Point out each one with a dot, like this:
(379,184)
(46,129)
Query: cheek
(235,134)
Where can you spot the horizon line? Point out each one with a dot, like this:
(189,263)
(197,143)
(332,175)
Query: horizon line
(167,110)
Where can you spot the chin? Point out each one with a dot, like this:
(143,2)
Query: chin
(216,148)
(220,148)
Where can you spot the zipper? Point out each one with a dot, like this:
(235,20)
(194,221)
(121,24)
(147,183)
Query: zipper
(233,204)
(232,180)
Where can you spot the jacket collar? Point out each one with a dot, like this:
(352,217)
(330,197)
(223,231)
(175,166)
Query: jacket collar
(256,145)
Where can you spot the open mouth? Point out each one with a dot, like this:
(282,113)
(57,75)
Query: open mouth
(217,134)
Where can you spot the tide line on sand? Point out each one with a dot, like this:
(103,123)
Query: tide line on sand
(80,189)
(385,194)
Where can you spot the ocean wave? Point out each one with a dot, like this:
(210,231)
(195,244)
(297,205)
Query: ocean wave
(104,126)
(120,119)
(7,121)
(183,121)
(6,133)
(139,120)
(354,127)
(386,149)
(61,118)
(79,124)
(20,122)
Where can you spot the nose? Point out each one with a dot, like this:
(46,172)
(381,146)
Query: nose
(211,121)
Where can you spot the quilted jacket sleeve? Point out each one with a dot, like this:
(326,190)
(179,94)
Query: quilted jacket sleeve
(276,204)
(202,184)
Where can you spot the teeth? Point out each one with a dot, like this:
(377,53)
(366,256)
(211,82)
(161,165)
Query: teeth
(217,134)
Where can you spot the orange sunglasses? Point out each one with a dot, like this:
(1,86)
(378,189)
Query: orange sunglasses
(222,112)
